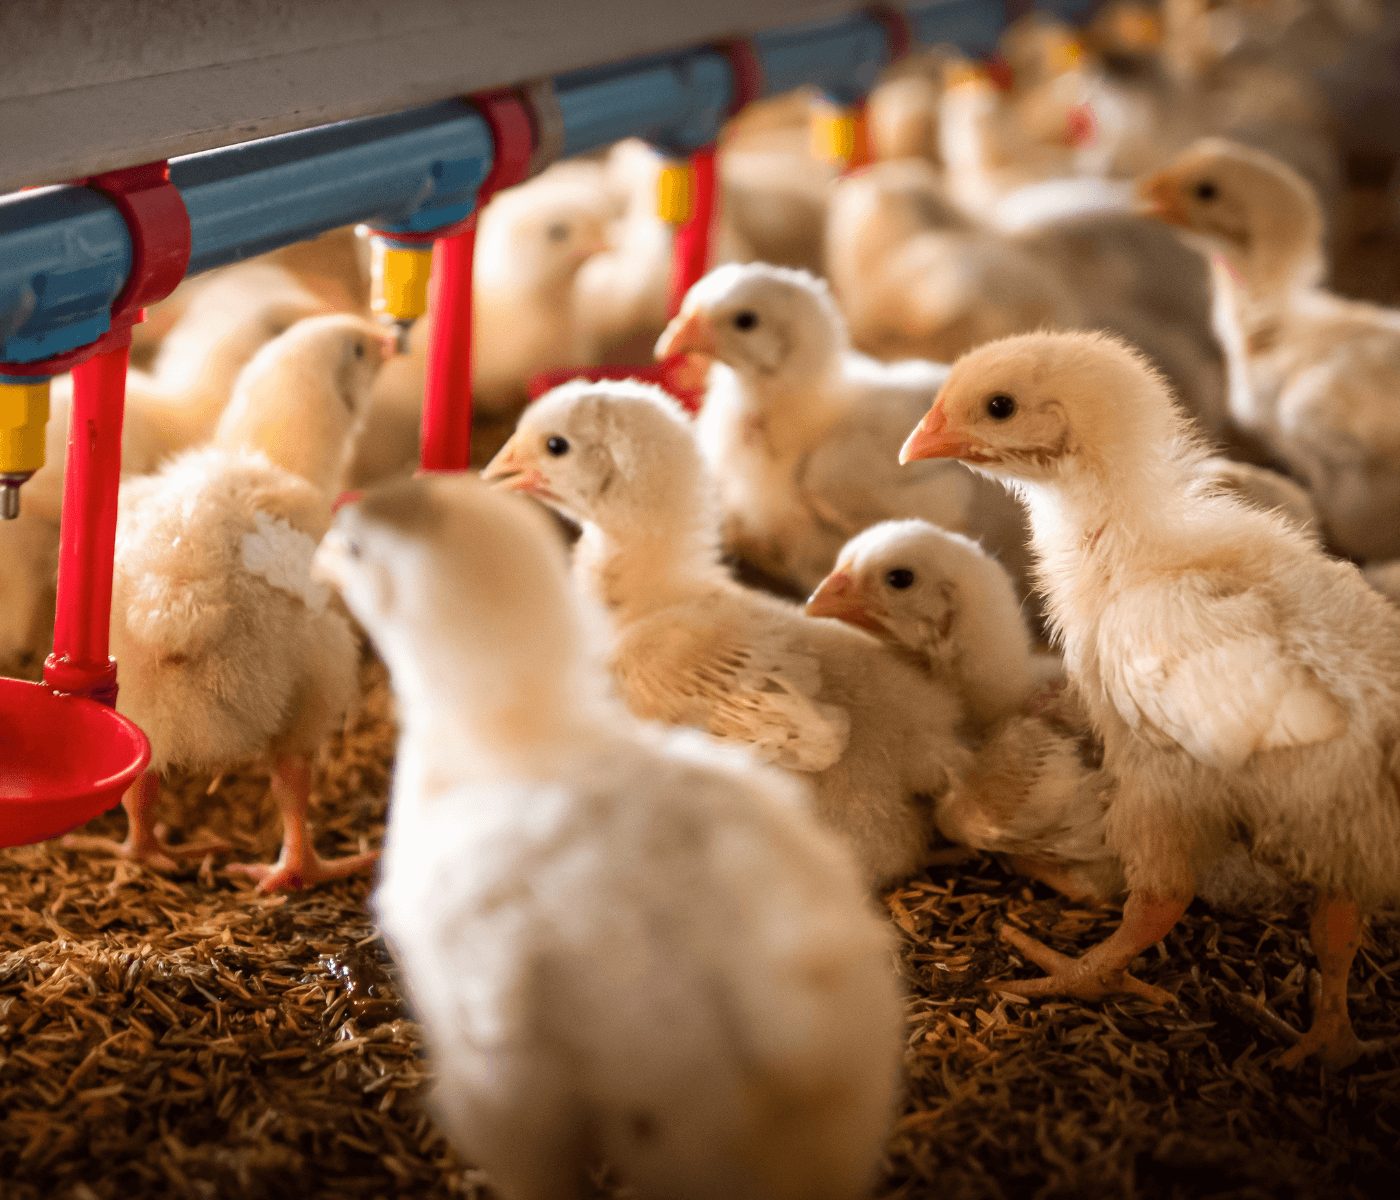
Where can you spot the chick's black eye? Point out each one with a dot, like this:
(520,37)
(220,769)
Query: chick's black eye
(745,320)
(359,349)
(1206,190)
(900,578)
(557,445)
(1000,406)
(557,232)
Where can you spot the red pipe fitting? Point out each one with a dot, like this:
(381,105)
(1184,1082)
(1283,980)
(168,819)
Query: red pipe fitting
(160,251)
(447,393)
(159,227)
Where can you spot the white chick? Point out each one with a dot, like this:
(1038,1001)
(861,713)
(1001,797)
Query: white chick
(533,244)
(695,648)
(939,599)
(229,653)
(918,278)
(221,324)
(1244,683)
(1313,374)
(948,604)
(800,431)
(232,315)
(986,147)
(624,943)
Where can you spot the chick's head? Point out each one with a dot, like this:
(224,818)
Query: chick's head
(538,235)
(303,397)
(461,587)
(619,455)
(771,325)
(1035,406)
(903,581)
(1242,203)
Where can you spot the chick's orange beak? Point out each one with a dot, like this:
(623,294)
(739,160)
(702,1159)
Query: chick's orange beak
(510,470)
(933,438)
(1158,196)
(688,333)
(839,596)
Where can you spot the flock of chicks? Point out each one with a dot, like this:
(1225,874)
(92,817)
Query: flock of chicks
(638,810)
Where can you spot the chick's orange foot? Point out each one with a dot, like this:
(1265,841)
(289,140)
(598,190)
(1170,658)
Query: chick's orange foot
(292,874)
(1334,1044)
(149,850)
(1093,976)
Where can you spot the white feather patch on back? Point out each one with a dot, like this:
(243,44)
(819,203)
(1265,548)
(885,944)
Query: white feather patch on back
(281,554)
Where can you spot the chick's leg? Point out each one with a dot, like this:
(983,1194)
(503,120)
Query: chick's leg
(298,865)
(1102,970)
(144,843)
(1336,936)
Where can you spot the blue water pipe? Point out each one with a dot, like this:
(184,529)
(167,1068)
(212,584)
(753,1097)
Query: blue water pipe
(65,252)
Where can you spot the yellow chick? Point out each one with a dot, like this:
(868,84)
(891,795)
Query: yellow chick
(230,654)
(1244,684)
(1313,375)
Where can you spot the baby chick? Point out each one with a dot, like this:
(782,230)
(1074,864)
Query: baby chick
(800,431)
(1244,684)
(693,647)
(918,278)
(221,324)
(942,601)
(624,943)
(1312,374)
(946,603)
(229,653)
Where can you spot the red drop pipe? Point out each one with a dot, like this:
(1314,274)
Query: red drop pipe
(80,663)
(447,394)
(690,257)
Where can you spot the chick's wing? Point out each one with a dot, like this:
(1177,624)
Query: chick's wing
(759,690)
(1202,662)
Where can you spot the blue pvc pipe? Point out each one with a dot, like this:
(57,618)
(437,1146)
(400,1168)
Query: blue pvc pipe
(65,252)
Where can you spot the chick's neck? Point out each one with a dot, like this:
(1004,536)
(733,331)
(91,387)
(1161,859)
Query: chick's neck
(649,566)
(790,412)
(486,714)
(1104,512)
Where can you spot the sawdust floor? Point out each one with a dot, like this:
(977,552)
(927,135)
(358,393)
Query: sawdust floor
(180,1037)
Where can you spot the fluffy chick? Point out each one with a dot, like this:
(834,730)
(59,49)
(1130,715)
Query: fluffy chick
(229,653)
(945,602)
(1160,591)
(695,648)
(800,431)
(1312,374)
(221,324)
(918,278)
(942,601)
(624,943)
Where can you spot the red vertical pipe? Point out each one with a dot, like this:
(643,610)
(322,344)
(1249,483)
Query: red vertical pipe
(447,392)
(80,663)
(690,258)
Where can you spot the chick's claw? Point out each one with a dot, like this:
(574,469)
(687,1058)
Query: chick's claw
(1089,977)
